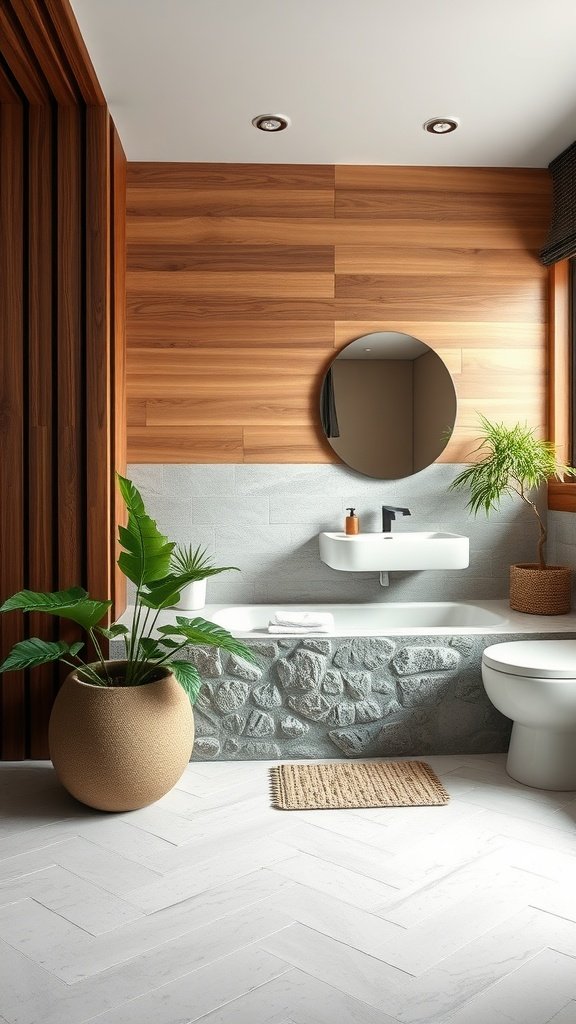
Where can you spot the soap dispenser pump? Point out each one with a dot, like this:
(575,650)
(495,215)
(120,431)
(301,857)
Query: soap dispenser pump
(352,523)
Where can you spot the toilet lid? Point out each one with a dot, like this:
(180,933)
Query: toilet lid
(546,659)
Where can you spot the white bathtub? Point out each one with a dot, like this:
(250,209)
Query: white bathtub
(430,618)
(385,619)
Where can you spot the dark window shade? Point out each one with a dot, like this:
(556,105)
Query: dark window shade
(572,459)
(561,242)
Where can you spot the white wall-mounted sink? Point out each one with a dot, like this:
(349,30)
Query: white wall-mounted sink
(385,552)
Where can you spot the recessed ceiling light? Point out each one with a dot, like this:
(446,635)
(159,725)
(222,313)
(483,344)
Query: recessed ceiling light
(367,349)
(271,122)
(441,125)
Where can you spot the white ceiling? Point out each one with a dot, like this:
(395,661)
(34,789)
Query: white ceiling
(358,78)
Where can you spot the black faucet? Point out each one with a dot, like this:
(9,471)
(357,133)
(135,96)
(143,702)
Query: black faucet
(389,513)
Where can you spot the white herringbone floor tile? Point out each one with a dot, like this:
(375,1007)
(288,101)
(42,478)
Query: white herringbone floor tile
(478,965)
(308,1000)
(341,921)
(345,852)
(193,994)
(78,962)
(73,898)
(528,996)
(352,887)
(339,965)
(232,862)
(567,1015)
(211,906)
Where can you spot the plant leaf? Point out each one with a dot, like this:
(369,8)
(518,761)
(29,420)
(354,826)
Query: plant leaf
(146,555)
(166,593)
(86,613)
(512,460)
(111,632)
(163,593)
(131,495)
(32,652)
(73,604)
(200,631)
(188,677)
(195,564)
(150,648)
(32,601)
(186,559)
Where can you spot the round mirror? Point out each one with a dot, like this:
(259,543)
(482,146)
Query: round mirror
(388,405)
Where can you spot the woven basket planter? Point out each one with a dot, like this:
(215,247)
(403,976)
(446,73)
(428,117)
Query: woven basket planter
(118,748)
(538,591)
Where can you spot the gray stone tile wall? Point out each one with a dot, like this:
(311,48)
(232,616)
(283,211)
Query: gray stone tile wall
(265,519)
(561,547)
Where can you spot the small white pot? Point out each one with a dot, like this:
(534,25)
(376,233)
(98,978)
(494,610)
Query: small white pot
(193,596)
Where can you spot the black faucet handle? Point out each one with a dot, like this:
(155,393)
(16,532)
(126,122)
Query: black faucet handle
(389,514)
(396,508)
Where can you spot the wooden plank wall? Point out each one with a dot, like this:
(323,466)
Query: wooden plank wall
(12,400)
(244,279)
(61,378)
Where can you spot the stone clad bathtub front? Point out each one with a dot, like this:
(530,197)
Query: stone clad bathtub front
(371,688)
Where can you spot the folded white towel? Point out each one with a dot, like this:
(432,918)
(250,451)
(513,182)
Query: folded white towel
(308,619)
(297,630)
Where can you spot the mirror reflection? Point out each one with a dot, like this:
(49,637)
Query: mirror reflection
(388,405)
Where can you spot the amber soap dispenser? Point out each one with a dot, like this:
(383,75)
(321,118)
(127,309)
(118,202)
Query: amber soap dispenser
(352,522)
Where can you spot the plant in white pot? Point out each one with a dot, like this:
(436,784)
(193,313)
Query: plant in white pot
(121,732)
(196,565)
(513,461)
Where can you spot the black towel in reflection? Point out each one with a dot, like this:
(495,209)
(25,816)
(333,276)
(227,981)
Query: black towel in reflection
(328,407)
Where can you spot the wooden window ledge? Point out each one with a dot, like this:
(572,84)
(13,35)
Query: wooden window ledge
(562,496)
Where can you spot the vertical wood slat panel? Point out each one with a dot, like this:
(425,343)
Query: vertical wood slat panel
(118,333)
(12,412)
(70,397)
(98,353)
(41,485)
(58,367)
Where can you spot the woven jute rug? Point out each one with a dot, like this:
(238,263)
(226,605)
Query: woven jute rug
(307,787)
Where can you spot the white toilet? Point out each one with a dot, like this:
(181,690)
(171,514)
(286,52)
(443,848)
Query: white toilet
(533,682)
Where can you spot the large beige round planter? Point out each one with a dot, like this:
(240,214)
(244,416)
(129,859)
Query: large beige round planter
(118,748)
(540,591)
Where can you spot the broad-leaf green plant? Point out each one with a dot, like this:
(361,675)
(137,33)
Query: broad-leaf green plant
(159,572)
(511,461)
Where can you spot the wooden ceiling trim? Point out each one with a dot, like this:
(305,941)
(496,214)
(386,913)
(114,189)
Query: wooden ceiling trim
(44,49)
(68,33)
(20,58)
(8,93)
(38,29)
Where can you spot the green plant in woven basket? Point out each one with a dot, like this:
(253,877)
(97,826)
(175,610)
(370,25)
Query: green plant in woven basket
(512,460)
(150,561)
